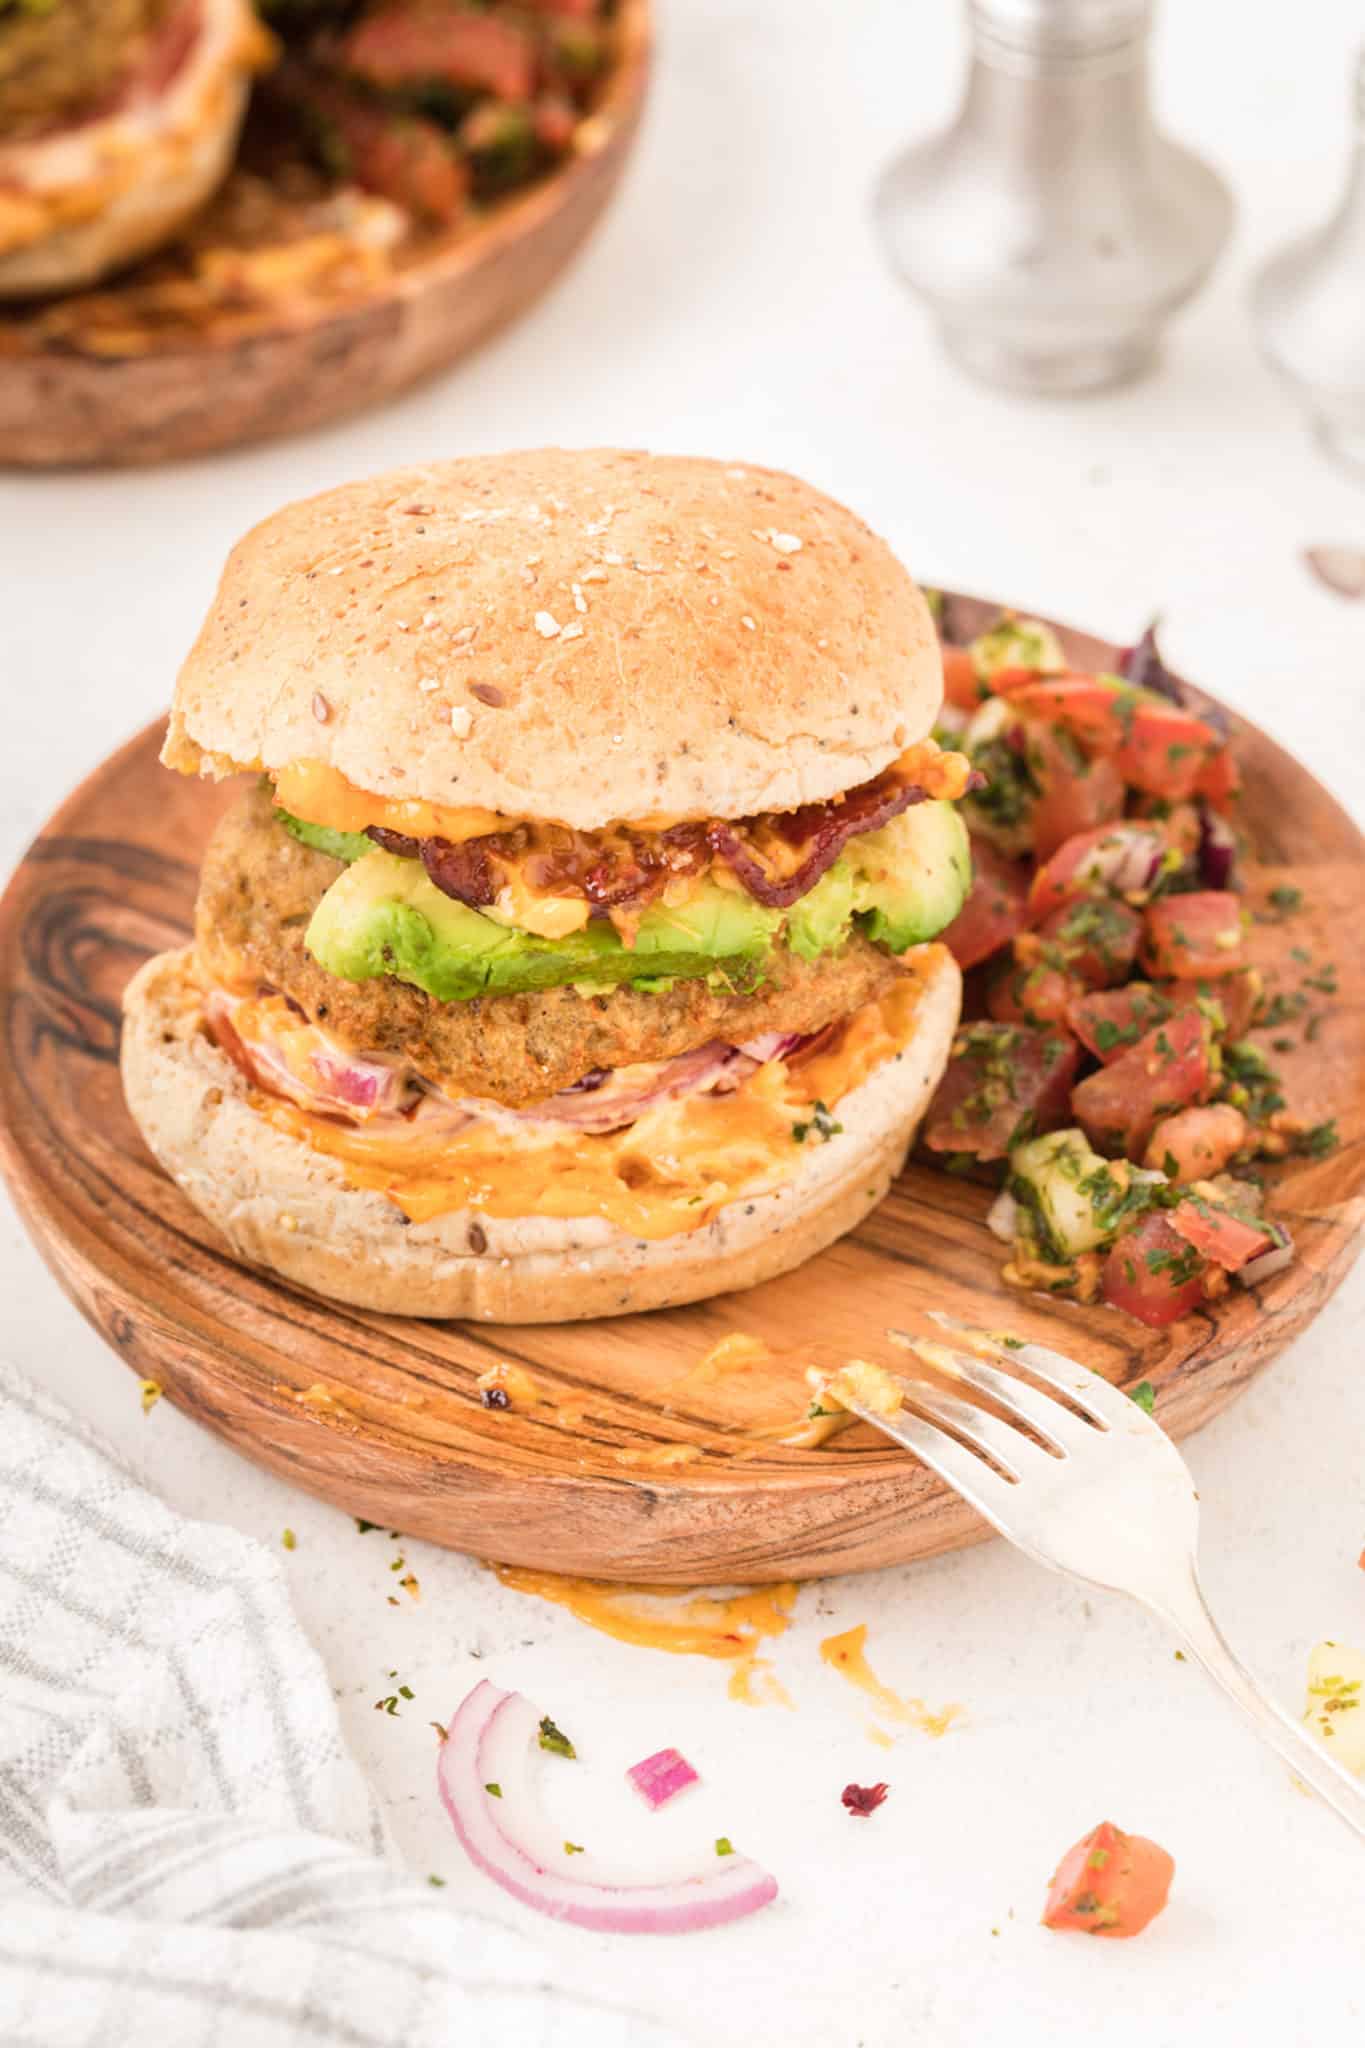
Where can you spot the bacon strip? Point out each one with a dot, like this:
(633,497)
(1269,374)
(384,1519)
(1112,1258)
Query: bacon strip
(622,869)
(822,829)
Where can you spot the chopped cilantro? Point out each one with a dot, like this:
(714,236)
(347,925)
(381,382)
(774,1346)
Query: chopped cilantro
(439,1883)
(1285,898)
(365,1527)
(1144,1393)
(724,1847)
(1322,1139)
(554,1739)
(821,1122)
(494,1791)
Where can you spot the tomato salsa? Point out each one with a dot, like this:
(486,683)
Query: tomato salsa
(1102,1075)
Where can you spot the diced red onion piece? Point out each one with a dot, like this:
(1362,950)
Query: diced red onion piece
(493,1740)
(1266,1264)
(1002,1216)
(1217,849)
(661,1777)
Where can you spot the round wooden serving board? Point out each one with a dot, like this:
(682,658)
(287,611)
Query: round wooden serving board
(382,1417)
(254,374)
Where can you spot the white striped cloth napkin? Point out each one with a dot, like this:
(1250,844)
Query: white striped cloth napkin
(187,1853)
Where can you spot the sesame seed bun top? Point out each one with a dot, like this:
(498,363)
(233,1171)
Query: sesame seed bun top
(580,636)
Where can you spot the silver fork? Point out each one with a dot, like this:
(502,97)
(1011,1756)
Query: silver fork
(1109,1501)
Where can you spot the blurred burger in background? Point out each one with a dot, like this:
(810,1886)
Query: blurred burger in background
(118,119)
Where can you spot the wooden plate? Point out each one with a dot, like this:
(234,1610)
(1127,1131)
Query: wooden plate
(257,375)
(381,1416)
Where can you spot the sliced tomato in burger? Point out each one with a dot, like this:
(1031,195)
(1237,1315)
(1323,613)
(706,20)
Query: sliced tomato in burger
(1169,1068)
(1153,1273)
(994,910)
(1076,792)
(1189,937)
(1002,1084)
(1110,1021)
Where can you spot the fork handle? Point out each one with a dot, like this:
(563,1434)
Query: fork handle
(1342,1790)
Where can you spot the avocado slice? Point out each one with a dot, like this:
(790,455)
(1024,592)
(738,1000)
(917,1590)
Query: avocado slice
(913,875)
(384,916)
(323,838)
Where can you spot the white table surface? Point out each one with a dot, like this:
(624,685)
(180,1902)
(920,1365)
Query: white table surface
(735,303)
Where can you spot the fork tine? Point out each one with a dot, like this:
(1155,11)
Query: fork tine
(1107,1403)
(1016,1454)
(1058,1426)
(978,1483)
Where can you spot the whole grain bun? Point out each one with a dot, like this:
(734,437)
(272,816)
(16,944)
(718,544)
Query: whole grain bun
(573,635)
(84,201)
(284,1206)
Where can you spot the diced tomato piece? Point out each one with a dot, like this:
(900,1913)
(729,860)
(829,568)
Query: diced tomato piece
(1121,856)
(994,910)
(960,685)
(1032,995)
(1097,938)
(1196,1143)
(1153,1274)
(1237,995)
(1165,749)
(1166,1070)
(1090,710)
(1109,1022)
(1220,780)
(1009,679)
(1004,1082)
(402,157)
(1075,792)
(1109,1883)
(399,46)
(1189,937)
(1219,1234)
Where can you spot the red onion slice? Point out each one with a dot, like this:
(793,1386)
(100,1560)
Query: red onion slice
(493,1740)
(662,1777)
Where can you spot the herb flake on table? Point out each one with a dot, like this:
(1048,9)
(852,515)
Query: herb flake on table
(554,1739)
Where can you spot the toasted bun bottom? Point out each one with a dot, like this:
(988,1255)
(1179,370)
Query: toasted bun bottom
(282,1205)
(97,197)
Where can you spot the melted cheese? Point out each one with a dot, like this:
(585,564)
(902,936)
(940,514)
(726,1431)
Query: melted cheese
(666,1174)
(322,795)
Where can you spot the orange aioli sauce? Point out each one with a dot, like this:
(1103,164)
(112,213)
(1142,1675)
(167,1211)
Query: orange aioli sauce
(683,1624)
(666,1174)
(847,1654)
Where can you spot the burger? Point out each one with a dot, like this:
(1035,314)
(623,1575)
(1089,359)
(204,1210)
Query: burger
(118,118)
(570,951)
